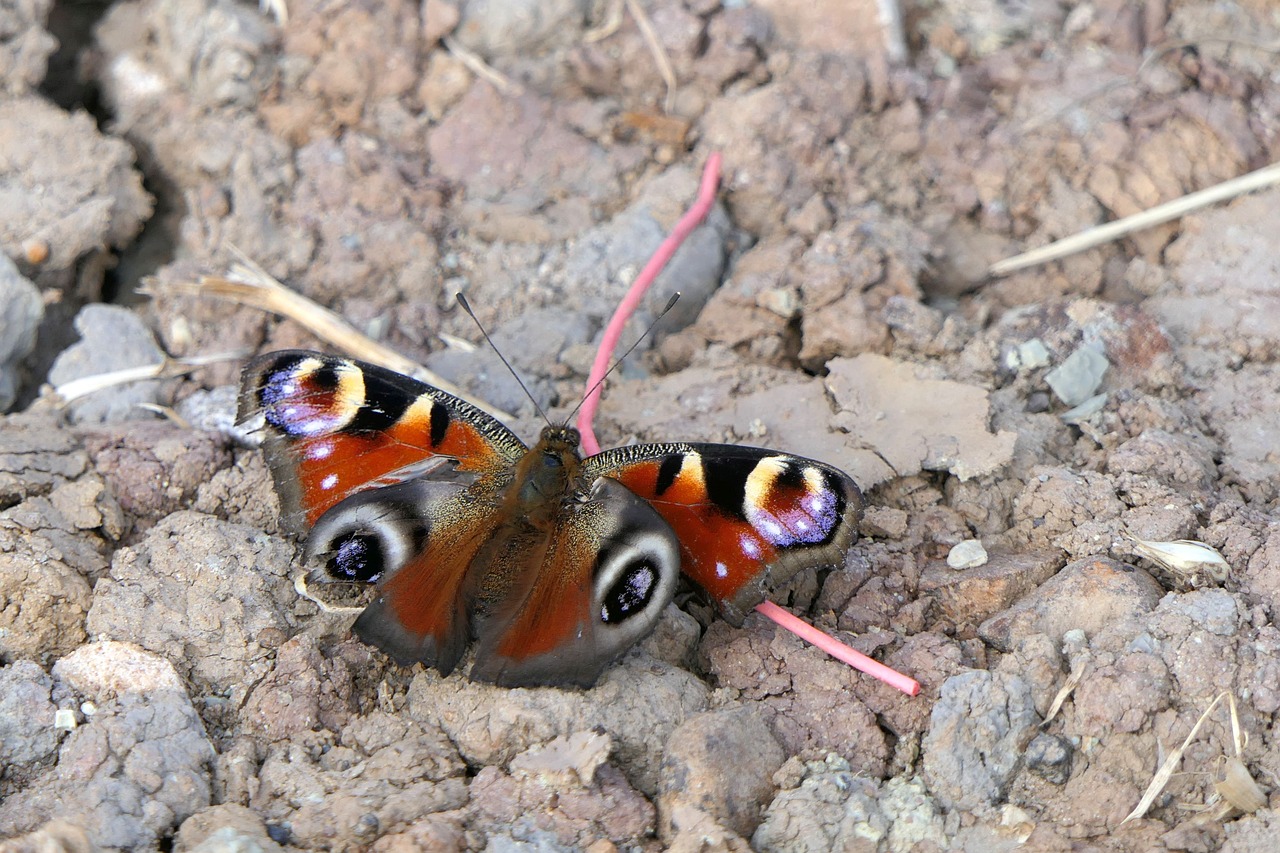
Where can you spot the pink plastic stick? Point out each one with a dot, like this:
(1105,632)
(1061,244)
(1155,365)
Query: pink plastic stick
(839,650)
(587,413)
(686,226)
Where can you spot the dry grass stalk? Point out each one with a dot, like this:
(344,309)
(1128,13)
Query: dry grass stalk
(165,369)
(1158,215)
(655,47)
(1238,794)
(250,285)
(612,21)
(482,69)
(1073,680)
(300,586)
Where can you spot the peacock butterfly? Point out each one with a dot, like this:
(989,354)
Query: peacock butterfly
(551,565)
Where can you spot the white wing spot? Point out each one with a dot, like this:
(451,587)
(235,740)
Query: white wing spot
(329,481)
(320,450)
(722,571)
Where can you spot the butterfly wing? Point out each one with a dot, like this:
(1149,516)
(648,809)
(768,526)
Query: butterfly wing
(747,518)
(579,595)
(421,541)
(547,605)
(334,427)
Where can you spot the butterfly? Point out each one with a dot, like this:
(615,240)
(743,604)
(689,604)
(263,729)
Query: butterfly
(548,564)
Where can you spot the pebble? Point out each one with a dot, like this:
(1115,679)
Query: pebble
(1077,379)
(968,554)
(20,314)
(111,338)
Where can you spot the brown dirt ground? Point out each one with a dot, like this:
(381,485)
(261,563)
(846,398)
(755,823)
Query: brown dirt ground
(161,683)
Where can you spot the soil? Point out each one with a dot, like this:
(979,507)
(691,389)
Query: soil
(163,685)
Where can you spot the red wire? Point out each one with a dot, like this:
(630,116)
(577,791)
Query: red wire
(587,412)
(631,301)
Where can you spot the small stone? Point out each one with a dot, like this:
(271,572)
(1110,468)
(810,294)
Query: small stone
(1028,355)
(20,315)
(111,338)
(1077,379)
(1049,757)
(1084,411)
(64,719)
(36,251)
(968,554)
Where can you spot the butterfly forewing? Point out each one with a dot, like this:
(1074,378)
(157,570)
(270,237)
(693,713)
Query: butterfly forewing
(334,426)
(747,518)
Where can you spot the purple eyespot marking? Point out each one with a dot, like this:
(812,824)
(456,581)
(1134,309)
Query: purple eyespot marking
(809,521)
(300,406)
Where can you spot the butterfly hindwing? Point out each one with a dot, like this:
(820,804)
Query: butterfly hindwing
(546,603)
(591,588)
(417,540)
(334,426)
(746,518)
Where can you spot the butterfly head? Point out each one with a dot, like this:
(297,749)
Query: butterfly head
(559,439)
(549,471)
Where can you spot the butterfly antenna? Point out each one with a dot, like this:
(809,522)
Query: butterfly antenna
(671,303)
(466,306)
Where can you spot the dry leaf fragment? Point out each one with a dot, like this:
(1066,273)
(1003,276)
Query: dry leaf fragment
(1185,559)
(1239,789)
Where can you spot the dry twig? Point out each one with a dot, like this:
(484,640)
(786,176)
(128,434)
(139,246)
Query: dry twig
(482,69)
(250,285)
(1158,215)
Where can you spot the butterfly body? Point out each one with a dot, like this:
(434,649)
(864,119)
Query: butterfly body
(548,564)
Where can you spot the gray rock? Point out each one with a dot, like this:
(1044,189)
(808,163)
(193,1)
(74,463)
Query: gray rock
(693,770)
(26,716)
(1077,379)
(20,315)
(215,411)
(639,702)
(1049,757)
(606,259)
(533,342)
(214,589)
(137,769)
(510,28)
(111,338)
(25,47)
(81,203)
(972,748)
(1214,610)
(829,806)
